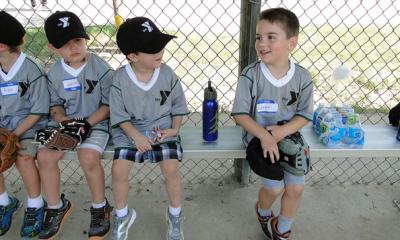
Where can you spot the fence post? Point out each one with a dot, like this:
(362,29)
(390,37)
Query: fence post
(250,9)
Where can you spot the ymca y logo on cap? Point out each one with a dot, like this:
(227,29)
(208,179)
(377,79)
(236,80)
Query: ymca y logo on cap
(64,22)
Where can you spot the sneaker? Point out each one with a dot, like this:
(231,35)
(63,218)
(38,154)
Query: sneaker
(264,222)
(100,222)
(6,213)
(273,227)
(174,226)
(54,219)
(33,222)
(121,225)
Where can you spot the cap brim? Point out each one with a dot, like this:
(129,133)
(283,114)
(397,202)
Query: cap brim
(69,37)
(157,44)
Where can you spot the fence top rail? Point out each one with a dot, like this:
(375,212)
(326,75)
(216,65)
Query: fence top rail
(380,141)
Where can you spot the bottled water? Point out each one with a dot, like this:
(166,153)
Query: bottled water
(355,134)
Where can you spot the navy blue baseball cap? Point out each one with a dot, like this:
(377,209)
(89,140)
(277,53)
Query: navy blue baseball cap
(259,164)
(63,26)
(12,31)
(140,34)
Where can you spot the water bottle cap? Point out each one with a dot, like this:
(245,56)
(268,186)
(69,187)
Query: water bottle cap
(210,93)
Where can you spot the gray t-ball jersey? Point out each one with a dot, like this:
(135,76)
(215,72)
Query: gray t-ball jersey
(81,91)
(145,106)
(23,92)
(268,100)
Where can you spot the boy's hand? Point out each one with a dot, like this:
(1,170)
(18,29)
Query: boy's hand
(143,143)
(270,147)
(169,132)
(277,132)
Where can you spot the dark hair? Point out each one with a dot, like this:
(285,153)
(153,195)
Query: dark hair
(14,49)
(287,19)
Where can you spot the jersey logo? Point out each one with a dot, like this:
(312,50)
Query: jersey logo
(24,87)
(63,22)
(91,85)
(294,96)
(164,96)
(147,27)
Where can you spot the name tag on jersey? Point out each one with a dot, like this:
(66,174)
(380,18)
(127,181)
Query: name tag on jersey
(267,106)
(71,84)
(8,89)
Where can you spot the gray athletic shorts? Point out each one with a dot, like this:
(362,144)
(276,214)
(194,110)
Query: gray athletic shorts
(288,179)
(28,147)
(97,140)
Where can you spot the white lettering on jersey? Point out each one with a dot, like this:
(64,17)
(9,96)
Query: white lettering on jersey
(147,27)
(64,22)
(9,88)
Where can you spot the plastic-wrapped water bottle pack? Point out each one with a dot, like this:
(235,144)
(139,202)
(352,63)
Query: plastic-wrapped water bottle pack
(338,126)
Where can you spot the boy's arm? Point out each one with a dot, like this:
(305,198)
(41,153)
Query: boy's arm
(27,124)
(268,143)
(143,143)
(281,131)
(102,113)
(173,131)
(57,113)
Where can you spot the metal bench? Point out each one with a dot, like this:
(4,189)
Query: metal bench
(380,141)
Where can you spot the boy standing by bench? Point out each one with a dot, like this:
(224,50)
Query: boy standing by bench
(79,85)
(147,104)
(24,104)
(271,90)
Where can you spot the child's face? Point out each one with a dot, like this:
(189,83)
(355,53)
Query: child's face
(74,51)
(272,45)
(147,60)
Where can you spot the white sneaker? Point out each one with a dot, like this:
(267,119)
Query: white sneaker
(121,225)
(174,226)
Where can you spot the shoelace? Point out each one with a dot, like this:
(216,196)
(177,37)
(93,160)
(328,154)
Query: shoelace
(51,215)
(30,217)
(97,215)
(176,233)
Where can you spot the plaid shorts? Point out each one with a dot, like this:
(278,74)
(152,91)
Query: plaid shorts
(160,152)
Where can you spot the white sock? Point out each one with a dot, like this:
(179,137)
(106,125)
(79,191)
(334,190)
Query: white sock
(99,205)
(36,202)
(175,211)
(4,199)
(57,206)
(122,212)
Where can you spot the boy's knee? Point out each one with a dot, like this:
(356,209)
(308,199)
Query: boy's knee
(294,191)
(23,159)
(275,192)
(118,172)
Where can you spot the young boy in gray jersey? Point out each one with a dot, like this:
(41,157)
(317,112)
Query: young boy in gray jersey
(270,91)
(79,86)
(147,104)
(24,104)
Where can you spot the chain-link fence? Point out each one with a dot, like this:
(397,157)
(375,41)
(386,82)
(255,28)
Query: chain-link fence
(364,35)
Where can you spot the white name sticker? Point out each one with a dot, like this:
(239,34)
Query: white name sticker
(267,106)
(71,84)
(8,89)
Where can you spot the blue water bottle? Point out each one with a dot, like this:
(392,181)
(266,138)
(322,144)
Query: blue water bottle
(210,114)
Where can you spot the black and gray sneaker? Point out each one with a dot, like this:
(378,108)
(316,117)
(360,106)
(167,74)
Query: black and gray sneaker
(100,222)
(54,219)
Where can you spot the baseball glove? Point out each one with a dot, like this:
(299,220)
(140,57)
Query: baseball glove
(67,136)
(76,126)
(294,154)
(9,146)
